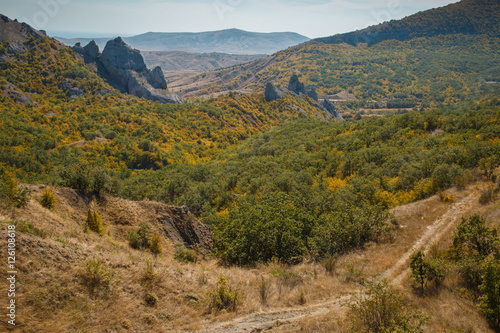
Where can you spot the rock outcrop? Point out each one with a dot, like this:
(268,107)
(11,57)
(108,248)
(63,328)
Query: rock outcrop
(16,34)
(90,52)
(312,93)
(273,92)
(11,91)
(330,108)
(124,68)
(296,86)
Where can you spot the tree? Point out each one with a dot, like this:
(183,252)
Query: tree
(490,301)
(422,270)
(474,238)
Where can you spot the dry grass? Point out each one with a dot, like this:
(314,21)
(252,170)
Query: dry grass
(52,297)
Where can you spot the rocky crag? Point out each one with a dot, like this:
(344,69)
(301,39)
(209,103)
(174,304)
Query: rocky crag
(124,68)
(297,88)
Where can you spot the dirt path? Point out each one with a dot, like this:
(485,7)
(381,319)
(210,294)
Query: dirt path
(261,321)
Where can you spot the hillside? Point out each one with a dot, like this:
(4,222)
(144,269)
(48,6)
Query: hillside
(467,17)
(72,280)
(179,61)
(57,112)
(231,41)
(253,210)
(418,70)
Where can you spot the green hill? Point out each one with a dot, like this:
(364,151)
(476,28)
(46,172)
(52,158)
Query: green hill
(45,127)
(438,56)
(467,17)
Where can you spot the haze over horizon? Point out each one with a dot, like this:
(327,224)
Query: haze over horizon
(107,18)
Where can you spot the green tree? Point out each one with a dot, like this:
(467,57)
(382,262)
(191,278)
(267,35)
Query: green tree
(490,300)
(474,238)
(422,270)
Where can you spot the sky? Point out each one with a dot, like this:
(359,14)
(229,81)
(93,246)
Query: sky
(109,18)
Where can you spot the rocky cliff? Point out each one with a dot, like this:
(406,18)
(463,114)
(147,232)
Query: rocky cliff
(124,68)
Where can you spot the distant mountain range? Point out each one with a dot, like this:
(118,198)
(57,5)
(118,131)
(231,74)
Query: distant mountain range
(178,61)
(433,55)
(231,41)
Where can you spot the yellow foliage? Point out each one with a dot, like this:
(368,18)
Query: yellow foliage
(424,188)
(94,219)
(406,197)
(336,184)
(388,198)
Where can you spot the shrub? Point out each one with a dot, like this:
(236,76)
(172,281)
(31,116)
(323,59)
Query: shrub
(94,219)
(48,199)
(155,245)
(10,193)
(223,296)
(151,299)
(381,308)
(264,288)
(487,196)
(21,198)
(184,255)
(330,264)
(150,276)
(302,297)
(141,238)
(97,277)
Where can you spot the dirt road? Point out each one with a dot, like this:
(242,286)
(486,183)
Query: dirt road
(261,321)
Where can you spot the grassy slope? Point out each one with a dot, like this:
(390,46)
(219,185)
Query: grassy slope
(52,296)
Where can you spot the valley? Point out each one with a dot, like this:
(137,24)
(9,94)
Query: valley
(230,181)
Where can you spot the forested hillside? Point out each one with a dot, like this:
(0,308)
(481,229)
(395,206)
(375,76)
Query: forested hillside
(44,127)
(467,17)
(316,188)
(431,58)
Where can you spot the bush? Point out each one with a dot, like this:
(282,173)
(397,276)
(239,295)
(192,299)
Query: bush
(223,297)
(264,288)
(349,228)
(10,193)
(155,245)
(150,277)
(94,220)
(151,299)
(330,264)
(21,198)
(487,196)
(97,277)
(185,255)
(381,308)
(48,199)
(141,238)
(87,179)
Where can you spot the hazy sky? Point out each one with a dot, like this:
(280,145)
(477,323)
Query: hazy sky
(312,18)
